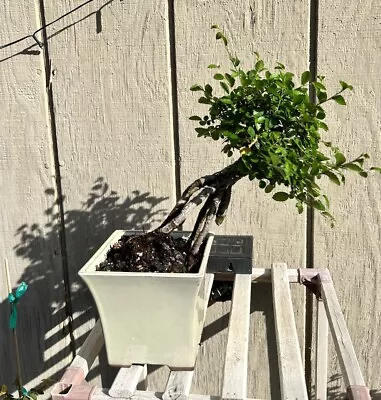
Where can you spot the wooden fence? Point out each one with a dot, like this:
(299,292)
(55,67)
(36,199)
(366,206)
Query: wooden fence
(95,136)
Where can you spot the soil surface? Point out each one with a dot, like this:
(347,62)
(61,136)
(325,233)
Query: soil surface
(150,252)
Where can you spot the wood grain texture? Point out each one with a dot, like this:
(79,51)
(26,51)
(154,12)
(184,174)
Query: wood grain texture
(28,216)
(279,31)
(127,381)
(291,372)
(343,344)
(348,49)
(321,352)
(111,91)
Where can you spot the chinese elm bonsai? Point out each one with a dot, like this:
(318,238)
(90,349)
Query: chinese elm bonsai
(268,119)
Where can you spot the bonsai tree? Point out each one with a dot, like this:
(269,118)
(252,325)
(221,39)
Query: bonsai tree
(272,131)
(267,119)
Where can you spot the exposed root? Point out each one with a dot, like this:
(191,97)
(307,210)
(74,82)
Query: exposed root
(212,190)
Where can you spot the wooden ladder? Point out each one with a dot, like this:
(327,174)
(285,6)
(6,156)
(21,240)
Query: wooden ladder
(73,385)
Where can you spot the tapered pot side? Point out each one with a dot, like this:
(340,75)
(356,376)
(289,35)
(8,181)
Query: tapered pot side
(153,318)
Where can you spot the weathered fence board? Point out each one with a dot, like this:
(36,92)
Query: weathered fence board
(279,32)
(112,103)
(29,224)
(348,49)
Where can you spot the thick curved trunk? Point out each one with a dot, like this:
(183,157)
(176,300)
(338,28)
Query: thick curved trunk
(212,190)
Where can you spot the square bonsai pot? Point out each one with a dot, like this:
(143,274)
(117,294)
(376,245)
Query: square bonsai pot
(149,318)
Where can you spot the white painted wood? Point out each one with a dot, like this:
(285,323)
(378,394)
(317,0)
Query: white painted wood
(291,372)
(178,385)
(321,352)
(349,33)
(234,384)
(28,231)
(343,344)
(90,349)
(127,380)
(102,394)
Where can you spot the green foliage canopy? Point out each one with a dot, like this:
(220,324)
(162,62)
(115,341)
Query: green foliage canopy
(269,119)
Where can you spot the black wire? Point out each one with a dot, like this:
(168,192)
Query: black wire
(33,35)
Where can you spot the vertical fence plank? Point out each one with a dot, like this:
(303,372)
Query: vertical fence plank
(29,227)
(279,32)
(112,102)
(348,50)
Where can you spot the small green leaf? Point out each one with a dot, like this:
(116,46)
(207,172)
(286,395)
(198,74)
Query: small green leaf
(251,131)
(280,196)
(318,205)
(262,184)
(259,65)
(352,167)
(378,169)
(322,96)
(195,88)
(230,79)
(211,66)
(340,158)
(202,131)
(345,85)
(280,66)
(235,61)
(306,76)
(319,86)
(225,87)
(339,100)
(214,26)
(195,118)
(333,177)
(269,188)
(364,174)
(204,100)
(218,77)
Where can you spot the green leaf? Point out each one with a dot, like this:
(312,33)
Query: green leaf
(280,196)
(262,184)
(280,66)
(225,87)
(378,169)
(323,125)
(269,188)
(218,77)
(235,61)
(214,26)
(345,85)
(319,86)
(364,174)
(195,88)
(208,90)
(306,76)
(340,158)
(318,205)
(322,96)
(339,99)
(211,66)
(195,118)
(259,65)
(202,131)
(352,167)
(333,177)
(204,100)
(230,79)
(251,131)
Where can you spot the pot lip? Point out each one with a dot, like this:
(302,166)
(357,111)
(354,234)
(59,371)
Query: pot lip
(89,268)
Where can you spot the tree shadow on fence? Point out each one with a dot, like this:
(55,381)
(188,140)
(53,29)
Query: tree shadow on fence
(46,328)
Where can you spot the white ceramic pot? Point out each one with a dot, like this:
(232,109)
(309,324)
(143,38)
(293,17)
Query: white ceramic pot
(153,318)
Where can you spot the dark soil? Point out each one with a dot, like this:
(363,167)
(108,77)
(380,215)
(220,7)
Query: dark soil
(150,252)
